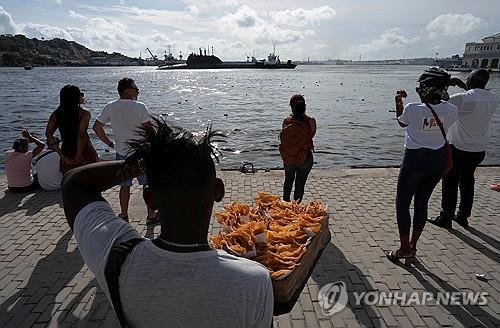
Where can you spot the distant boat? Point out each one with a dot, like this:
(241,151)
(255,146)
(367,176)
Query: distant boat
(206,61)
(28,67)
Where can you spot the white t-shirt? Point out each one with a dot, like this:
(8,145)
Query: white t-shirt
(159,287)
(125,116)
(422,130)
(475,109)
(47,166)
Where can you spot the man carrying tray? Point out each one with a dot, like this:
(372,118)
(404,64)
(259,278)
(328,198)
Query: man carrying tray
(176,280)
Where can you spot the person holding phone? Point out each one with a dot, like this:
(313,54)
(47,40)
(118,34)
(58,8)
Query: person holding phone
(424,159)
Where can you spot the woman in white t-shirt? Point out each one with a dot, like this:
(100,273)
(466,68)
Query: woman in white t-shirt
(424,159)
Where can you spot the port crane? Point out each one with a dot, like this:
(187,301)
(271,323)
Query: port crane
(153,57)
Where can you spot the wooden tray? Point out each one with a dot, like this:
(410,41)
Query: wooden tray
(288,290)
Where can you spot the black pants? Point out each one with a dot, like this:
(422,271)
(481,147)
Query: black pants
(33,186)
(419,174)
(460,176)
(298,173)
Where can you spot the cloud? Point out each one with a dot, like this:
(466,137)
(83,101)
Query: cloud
(73,14)
(303,17)
(182,20)
(259,27)
(452,25)
(46,31)
(7,25)
(244,17)
(194,10)
(391,38)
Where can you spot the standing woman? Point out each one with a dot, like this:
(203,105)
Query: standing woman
(72,120)
(296,148)
(425,155)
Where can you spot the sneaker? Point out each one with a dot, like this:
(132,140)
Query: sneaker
(462,221)
(440,222)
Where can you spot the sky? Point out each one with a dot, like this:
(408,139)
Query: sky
(315,29)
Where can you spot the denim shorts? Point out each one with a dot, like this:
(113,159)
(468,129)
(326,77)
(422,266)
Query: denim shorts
(128,183)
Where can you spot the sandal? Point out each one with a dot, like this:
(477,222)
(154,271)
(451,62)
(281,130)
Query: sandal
(153,221)
(397,255)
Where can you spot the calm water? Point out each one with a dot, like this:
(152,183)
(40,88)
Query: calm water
(350,103)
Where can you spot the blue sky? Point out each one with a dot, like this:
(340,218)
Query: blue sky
(317,29)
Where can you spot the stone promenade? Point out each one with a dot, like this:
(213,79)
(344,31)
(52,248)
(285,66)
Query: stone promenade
(44,282)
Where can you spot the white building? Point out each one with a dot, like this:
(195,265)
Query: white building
(484,54)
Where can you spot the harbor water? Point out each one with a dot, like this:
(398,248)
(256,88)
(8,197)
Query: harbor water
(351,103)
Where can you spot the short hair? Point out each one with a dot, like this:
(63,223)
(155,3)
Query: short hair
(176,160)
(480,77)
(19,144)
(124,84)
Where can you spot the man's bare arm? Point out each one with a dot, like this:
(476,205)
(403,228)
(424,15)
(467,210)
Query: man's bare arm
(83,185)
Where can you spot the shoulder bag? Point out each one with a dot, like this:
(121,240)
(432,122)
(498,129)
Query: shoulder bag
(447,149)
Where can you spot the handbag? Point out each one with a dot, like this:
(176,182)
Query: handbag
(447,149)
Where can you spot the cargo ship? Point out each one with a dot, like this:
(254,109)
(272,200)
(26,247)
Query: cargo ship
(210,61)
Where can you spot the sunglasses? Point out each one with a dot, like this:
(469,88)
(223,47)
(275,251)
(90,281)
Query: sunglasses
(135,88)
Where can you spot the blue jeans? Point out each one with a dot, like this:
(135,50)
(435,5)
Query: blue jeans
(420,172)
(297,173)
(128,183)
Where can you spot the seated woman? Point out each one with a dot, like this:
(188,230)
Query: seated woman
(72,120)
(18,163)
(424,160)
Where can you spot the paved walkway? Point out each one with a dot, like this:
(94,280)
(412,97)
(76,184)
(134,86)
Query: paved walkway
(44,282)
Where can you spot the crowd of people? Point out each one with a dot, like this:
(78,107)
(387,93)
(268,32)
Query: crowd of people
(180,185)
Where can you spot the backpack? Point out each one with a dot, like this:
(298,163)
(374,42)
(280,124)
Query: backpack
(294,141)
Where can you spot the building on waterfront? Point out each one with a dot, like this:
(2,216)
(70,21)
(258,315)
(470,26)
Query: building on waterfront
(484,54)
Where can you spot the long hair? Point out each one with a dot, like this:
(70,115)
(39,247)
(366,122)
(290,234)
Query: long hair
(67,117)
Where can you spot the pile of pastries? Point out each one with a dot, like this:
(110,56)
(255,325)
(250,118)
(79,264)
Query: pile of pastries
(273,232)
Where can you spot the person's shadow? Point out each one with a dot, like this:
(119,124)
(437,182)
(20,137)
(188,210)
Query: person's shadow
(469,315)
(487,239)
(38,199)
(493,255)
(50,276)
(333,266)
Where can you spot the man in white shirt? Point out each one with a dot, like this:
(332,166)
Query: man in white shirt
(126,115)
(176,280)
(468,137)
(46,166)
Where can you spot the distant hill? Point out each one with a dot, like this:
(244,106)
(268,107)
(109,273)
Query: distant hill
(18,50)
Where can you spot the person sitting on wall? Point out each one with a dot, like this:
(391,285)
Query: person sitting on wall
(18,163)
(46,167)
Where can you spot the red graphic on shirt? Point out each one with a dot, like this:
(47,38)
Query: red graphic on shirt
(429,124)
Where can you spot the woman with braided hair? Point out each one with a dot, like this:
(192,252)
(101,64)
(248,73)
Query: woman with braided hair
(72,120)
(424,159)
